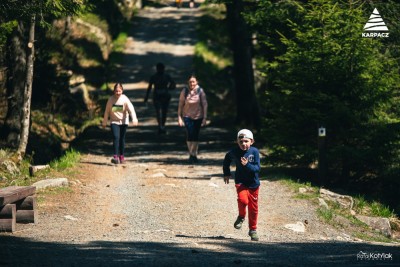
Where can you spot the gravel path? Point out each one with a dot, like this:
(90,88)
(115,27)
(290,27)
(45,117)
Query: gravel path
(157,210)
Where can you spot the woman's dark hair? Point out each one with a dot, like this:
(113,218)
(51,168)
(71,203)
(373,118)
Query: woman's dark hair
(192,76)
(118,85)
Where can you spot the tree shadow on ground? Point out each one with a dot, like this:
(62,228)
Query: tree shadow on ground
(24,252)
(145,145)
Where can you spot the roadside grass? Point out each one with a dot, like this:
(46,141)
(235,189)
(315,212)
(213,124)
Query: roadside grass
(325,214)
(312,192)
(213,60)
(118,45)
(337,216)
(378,209)
(66,162)
(18,175)
(341,218)
(10,172)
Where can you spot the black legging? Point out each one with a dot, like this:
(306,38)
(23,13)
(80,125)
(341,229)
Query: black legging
(192,129)
(119,132)
(161,104)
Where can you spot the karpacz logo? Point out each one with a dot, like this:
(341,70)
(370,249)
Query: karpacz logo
(375,34)
(375,26)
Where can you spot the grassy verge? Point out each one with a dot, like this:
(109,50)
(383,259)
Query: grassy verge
(339,217)
(213,60)
(12,174)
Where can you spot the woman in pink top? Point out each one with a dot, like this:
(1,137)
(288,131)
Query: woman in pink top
(192,113)
(117,110)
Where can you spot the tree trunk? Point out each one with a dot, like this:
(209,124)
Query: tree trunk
(26,111)
(17,75)
(248,113)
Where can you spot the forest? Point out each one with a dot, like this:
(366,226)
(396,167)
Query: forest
(293,67)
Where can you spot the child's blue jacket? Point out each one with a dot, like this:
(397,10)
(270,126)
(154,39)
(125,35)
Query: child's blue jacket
(246,175)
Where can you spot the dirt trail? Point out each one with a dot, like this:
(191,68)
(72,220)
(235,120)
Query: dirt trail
(158,210)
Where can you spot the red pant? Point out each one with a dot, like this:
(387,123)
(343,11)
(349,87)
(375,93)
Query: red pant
(248,197)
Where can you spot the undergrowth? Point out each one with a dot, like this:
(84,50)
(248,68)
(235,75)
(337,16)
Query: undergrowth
(19,174)
(339,217)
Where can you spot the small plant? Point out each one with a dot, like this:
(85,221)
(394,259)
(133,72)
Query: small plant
(360,203)
(70,158)
(291,183)
(13,171)
(377,209)
(325,214)
(296,185)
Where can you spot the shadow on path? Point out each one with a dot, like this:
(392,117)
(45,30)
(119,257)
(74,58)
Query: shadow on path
(165,35)
(23,252)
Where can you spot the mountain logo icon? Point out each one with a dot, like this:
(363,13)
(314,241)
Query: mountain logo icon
(375,23)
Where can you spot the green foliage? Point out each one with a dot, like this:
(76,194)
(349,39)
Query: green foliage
(95,19)
(325,214)
(112,11)
(70,158)
(377,209)
(119,42)
(320,71)
(360,203)
(5,30)
(24,9)
(118,46)
(212,61)
(12,174)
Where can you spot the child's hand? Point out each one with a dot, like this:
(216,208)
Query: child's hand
(226,179)
(244,161)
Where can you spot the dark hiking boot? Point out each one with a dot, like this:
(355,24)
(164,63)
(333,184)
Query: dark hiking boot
(238,223)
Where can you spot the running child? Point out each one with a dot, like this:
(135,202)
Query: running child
(247,183)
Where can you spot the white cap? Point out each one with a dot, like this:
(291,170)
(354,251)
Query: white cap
(244,133)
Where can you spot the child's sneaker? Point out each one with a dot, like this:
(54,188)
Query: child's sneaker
(115,160)
(122,159)
(253,234)
(238,223)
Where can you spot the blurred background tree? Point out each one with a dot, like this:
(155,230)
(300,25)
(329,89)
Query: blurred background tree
(319,71)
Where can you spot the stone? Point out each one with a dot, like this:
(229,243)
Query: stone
(158,174)
(343,200)
(377,223)
(302,190)
(56,182)
(296,227)
(322,203)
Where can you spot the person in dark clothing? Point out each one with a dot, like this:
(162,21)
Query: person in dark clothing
(247,182)
(161,96)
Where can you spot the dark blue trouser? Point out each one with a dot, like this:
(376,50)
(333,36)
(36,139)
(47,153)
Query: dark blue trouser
(192,128)
(119,132)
